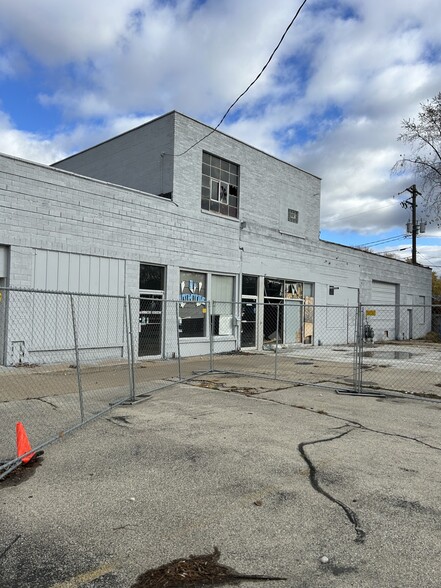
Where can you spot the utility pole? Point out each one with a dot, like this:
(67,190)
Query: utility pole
(413,227)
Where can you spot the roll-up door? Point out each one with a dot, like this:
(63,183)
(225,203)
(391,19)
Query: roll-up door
(384,305)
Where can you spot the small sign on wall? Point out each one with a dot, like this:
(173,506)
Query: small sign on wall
(371,313)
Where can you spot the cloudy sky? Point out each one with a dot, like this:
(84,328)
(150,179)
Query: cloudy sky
(76,72)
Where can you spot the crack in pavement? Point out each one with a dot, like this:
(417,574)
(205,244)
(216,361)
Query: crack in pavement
(9,546)
(352,516)
(46,402)
(352,422)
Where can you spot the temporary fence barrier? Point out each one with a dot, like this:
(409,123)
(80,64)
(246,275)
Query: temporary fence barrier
(66,358)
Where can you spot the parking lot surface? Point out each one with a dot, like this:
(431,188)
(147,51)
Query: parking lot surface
(277,476)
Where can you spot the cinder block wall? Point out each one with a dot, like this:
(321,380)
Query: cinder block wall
(132,159)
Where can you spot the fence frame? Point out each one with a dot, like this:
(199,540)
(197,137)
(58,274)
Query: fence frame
(128,324)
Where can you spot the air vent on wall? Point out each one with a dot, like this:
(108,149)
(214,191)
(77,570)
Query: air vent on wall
(293,215)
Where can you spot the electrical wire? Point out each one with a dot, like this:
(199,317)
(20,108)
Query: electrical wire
(246,90)
(381,241)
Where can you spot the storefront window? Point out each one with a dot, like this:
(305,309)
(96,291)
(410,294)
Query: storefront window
(192,307)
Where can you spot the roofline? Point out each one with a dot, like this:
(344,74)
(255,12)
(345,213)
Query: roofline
(60,170)
(372,253)
(210,128)
(114,137)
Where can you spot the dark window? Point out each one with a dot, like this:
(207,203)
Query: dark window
(249,285)
(151,277)
(273,288)
(220,185)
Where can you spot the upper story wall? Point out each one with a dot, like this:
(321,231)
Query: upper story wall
(274,196)
(268,187)
(132,159)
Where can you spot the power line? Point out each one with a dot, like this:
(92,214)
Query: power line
(381,241)
(246,90)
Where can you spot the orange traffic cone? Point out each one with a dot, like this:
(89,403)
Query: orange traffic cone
(23,445)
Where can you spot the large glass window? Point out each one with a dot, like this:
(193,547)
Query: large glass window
(222,294)
(192,307)
(220,185)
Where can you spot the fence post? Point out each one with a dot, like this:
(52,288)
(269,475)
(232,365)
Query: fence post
(77,358)
(277,343)
(129,348)
(132,357)
(210,317)
(178,342)
(358,351)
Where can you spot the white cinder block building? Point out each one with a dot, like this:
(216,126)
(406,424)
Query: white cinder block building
(140,215)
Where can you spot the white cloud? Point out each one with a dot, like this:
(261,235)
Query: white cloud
(367,62)
(56,32)
(47,149)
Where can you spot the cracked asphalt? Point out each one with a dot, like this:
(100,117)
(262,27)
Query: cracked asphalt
(275,476)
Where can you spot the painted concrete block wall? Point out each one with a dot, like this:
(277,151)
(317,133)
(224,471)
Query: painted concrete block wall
(59,211)
(268,186)
(132,159)
(54,210)
(64,214)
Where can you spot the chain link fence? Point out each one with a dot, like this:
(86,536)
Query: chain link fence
(67,358)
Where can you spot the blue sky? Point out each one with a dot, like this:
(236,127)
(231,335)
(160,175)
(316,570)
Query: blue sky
(74,73)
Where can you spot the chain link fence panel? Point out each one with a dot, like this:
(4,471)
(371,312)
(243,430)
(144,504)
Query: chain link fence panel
(66,358)
(64,361)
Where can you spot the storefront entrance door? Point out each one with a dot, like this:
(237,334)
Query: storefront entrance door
(248,321)
(150,325)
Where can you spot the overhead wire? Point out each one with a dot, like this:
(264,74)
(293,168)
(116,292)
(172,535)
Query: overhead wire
(386,240)
(247,89)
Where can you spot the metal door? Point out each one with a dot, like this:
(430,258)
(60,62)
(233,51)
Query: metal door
(248,322)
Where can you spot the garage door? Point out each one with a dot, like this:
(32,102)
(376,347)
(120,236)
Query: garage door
(383,303)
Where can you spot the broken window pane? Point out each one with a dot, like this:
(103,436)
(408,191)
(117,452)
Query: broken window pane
(220,180)
(224,193)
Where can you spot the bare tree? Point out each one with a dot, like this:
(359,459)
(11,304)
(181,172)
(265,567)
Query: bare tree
(424,158)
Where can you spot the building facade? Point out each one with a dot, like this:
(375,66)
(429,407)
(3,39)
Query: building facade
(221,226)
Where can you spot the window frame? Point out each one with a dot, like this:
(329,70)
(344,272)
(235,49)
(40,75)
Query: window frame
(220,186)
(209,305)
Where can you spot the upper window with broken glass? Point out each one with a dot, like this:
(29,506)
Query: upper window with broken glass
(220,185)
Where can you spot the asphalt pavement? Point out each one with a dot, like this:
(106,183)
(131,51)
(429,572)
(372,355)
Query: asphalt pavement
(276,476)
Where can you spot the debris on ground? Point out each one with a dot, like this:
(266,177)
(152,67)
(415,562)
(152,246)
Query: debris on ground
(216,385)
(194,571)
(19,471)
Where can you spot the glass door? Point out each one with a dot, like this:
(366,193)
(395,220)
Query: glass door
(248,330)
(150,325)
